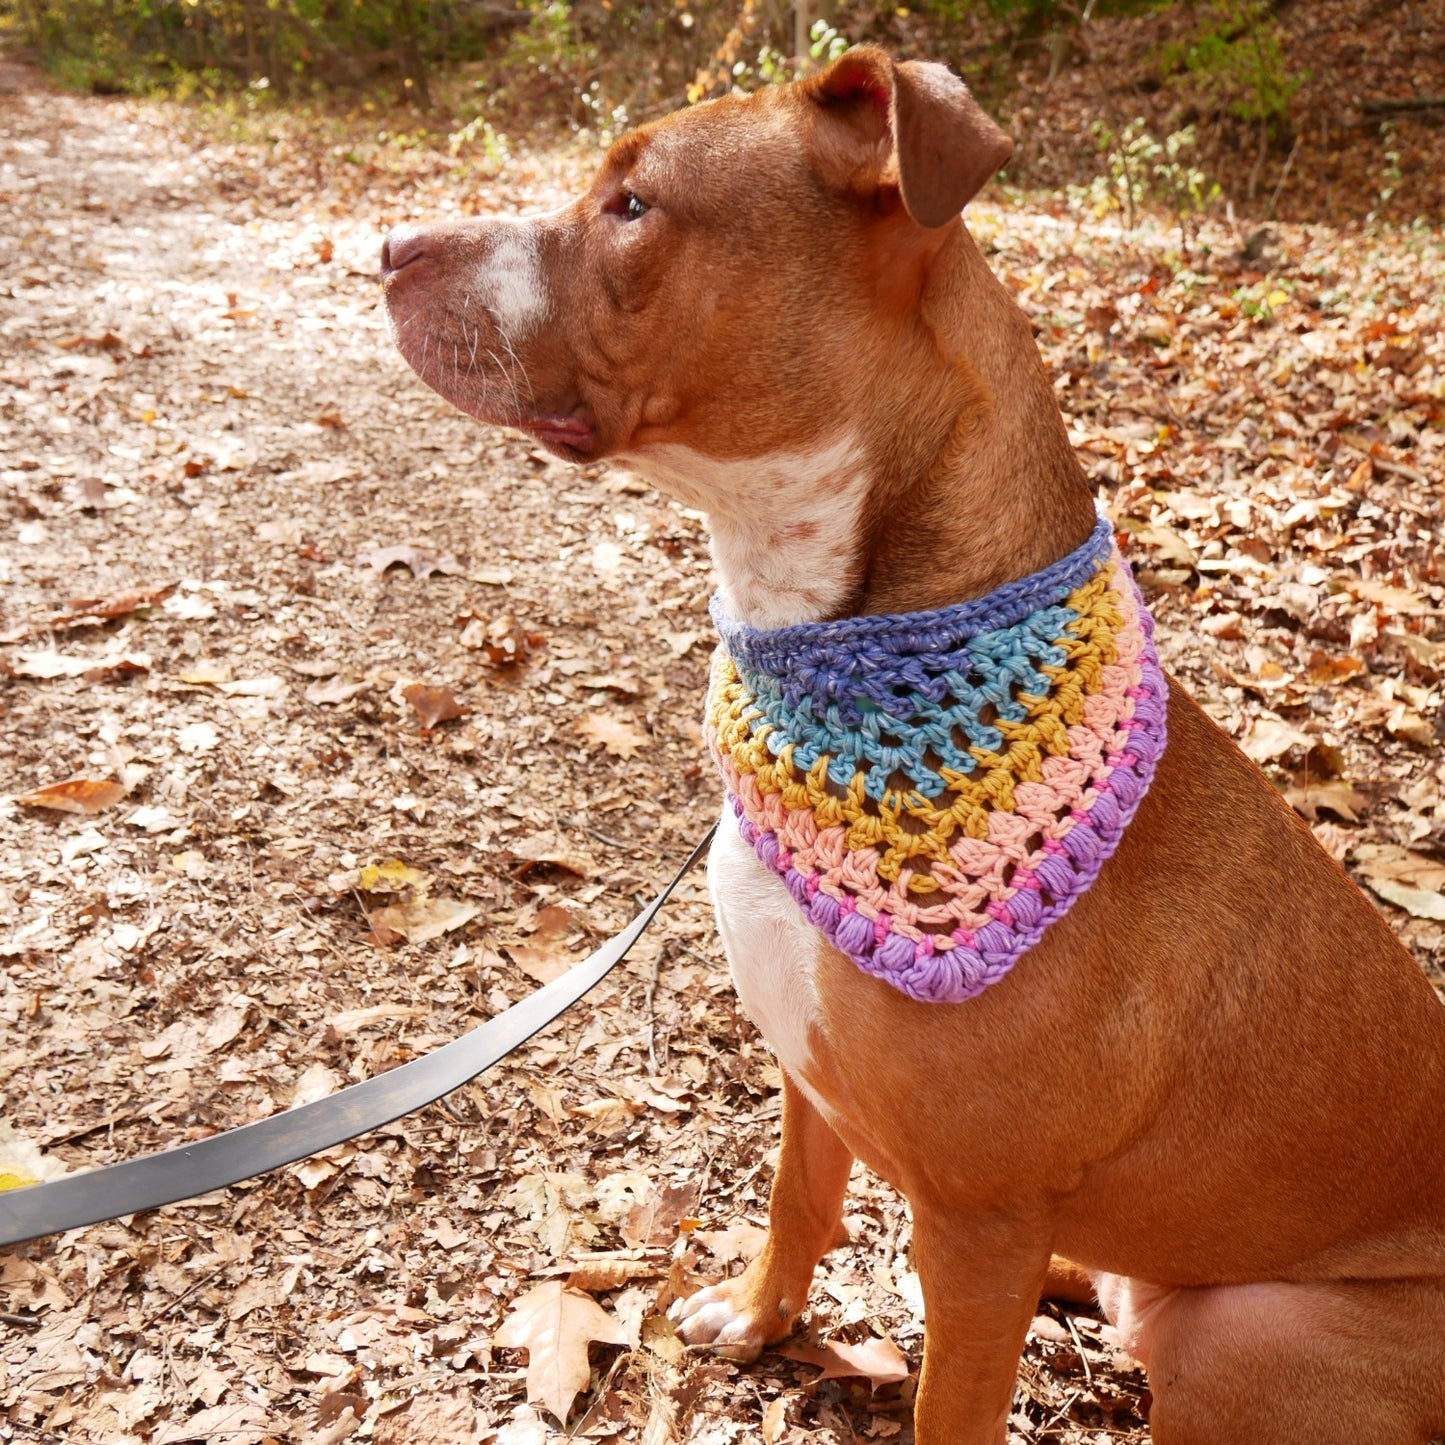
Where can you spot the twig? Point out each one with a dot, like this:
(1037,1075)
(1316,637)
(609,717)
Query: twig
(1395,107)
(85,1133)
(1084,1359)
(601,1394)
(649,994)
(1061,1411)
(154,1319)
(1283,176)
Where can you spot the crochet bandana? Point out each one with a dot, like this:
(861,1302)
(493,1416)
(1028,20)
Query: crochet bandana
(936,788)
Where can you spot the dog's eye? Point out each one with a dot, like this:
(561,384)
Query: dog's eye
(634,208)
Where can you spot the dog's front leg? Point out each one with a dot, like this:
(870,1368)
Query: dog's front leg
(981,1278)
(740,1316)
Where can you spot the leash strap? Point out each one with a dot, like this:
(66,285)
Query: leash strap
(241,1153)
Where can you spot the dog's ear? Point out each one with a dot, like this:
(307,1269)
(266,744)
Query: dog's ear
(915,115)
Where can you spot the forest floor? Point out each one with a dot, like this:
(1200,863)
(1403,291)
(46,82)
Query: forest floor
(235,531)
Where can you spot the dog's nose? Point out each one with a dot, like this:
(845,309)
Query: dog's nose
(403,246)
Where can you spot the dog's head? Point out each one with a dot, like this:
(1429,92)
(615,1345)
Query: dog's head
(726,284)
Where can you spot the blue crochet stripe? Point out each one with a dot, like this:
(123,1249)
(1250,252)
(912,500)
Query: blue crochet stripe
(797,651)
(880,697)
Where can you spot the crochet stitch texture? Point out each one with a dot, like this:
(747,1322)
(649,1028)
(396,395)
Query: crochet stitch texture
(936,788)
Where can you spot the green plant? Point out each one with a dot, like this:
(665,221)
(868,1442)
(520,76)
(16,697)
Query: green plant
(550,45)
(142,45)
(772,67)
(1141,169)
(608,121)
(827,44)
(1235,61)
(494,148)
(1391,174)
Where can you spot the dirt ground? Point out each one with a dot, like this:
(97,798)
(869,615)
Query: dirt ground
(236,534)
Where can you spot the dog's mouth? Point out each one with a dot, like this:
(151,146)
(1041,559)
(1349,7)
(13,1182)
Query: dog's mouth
(460,359)
(572,437)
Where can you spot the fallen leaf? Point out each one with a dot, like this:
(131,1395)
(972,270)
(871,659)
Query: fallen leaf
(21,1162)
(611,682)
(597,1276)
(1324,669)
(253,687)
(420,919)
(555,1325)
(619,737)
(738,1241)
(1417,902)
(197,737)
(152,819)
(76,795)
(317,1081)
(419,561)
(775,1420)
(349,1020)
(1392,599)
(880,1362)
(25,1283)
(544,955)
(233,1423)
(1271,738)
(657,1220)
(82,845)
(607,1116)
(1167,545)
(526,1428)
(206,674)
(437,1417)
(103,609)
(552,848)
(433,705)
(681,643)
(1389,860)
(381,936)
(393,876)
(48,665)
(1334,796)
(505,641)
(333,690)
(1403,721)
(1424,652)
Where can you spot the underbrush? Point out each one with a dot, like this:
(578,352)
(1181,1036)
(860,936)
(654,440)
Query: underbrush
(1123,103)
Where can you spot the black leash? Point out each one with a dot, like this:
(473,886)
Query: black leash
(251,1149)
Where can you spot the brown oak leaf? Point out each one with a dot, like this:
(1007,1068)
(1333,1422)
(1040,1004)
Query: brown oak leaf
(880,1362)
(555,1325)
(434,705)
(76,795)
(619,737)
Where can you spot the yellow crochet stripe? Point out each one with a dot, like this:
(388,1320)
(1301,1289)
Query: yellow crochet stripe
(1090,645)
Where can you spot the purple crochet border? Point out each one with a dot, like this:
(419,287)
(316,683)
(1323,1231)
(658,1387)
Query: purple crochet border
(958,973)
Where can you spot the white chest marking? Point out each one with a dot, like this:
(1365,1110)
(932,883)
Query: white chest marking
(784,525)
(771,949)
(512,284)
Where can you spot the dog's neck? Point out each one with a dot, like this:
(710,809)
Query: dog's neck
(980,487)
(1004,495)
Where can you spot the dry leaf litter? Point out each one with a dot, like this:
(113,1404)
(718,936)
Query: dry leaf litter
(320,704)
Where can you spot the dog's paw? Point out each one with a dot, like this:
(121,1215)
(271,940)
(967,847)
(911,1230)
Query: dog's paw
(728,1317)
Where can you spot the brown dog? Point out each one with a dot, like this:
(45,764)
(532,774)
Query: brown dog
(1218,1082)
